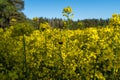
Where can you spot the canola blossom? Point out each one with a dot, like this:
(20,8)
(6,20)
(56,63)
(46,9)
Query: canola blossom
(92,53)
(67,10)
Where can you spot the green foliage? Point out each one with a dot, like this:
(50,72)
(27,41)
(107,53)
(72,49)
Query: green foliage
(36,22)
(10,9)
(21,29)
(80,25)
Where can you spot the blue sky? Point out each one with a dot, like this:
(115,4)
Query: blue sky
(82,9)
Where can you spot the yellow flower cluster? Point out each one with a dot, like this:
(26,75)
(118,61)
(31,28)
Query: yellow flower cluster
(35,19)
(13,20)
(115,20)
(92,53)
(67,10)
(44,26)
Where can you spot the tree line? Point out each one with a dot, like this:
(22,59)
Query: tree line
(86,23)
(11,13)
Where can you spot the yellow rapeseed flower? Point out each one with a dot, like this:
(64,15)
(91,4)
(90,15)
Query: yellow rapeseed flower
(13,20)
(67,10)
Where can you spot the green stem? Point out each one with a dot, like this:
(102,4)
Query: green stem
(68,27)
(94,69)
(24,53)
